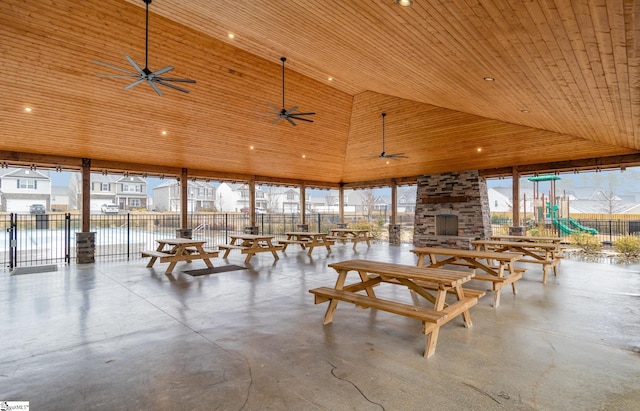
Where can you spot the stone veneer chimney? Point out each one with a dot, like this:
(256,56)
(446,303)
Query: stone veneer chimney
(452,209)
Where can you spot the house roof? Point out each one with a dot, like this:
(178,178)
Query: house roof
(564,86)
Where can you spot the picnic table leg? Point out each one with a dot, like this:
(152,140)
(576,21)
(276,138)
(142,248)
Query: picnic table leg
(153,259)
(465,314)
(496,294)
(248,257)
(432,331)
(206,260)
(333,303)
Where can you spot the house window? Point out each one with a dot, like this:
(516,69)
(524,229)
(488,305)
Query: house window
(104,187)
(447,224)
(496,203)
(291,196)
(28,183)
(259,194)
(134,202)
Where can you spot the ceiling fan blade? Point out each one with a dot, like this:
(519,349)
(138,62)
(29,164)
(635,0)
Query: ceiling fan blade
(291,110)
(113,67)
(134,75)
(300,118)
(154,87)
(135,83)
(161,71)
(155,80)
(277,120)
(396,156)
(179,80)
(274,108)
(133,63)
(288,118)
(303,114)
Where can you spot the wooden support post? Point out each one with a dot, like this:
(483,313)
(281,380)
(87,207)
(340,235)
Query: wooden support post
(252,201)
(341,202)
(303,203)
(394,201)
(516,197)
(86,195)
(184,197)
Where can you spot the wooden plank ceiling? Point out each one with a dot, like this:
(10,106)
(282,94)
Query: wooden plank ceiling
(567,84)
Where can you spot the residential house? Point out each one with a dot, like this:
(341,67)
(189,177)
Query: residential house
(127,192)
(22,187)
(201,196)
(59,198)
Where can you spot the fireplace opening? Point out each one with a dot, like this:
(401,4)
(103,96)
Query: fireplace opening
(447,224)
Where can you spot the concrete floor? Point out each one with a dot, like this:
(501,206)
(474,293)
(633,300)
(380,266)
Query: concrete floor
(119,336)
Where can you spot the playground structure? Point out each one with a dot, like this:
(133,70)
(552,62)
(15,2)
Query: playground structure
(555,209)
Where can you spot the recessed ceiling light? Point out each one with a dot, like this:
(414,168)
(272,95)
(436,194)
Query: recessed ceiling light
(304,156)
(489,78)
(231,36)
(330,79)
(479,149)
(250,147)
(524,110)
(164,132)
(404,3)
(27,109)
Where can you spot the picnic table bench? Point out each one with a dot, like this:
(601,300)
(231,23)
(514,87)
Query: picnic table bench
(432,285)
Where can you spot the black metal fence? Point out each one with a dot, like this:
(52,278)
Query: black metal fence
(50,238)
(606,229)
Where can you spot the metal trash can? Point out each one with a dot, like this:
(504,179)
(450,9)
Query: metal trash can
(42,222)
(251,229)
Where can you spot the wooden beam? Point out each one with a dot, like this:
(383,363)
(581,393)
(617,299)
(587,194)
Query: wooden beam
(598,163)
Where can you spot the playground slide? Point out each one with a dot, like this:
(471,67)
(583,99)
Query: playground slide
(580,227)
(562,227)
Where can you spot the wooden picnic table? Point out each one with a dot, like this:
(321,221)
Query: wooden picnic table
(307,240)
(250,244)
(174,250)
(546,254)
(498,268)
(432,284)
(354,235)
(540,239)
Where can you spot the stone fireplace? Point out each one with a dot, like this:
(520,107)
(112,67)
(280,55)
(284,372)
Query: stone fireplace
(452,209)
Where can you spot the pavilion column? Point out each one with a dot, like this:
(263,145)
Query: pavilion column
(394,228)
(341,206)
(184,231)
(86,240)
(303,226)
(252,228)
(516,228)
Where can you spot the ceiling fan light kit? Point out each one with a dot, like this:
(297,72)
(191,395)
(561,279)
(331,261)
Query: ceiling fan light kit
(153,78)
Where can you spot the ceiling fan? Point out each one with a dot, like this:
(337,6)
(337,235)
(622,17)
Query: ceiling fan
(384,154)
(290,114)
(146,75)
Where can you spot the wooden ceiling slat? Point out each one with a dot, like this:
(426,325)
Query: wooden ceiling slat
(574,65)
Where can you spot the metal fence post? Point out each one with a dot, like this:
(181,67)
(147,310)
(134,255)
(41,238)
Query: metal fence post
(67,238)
